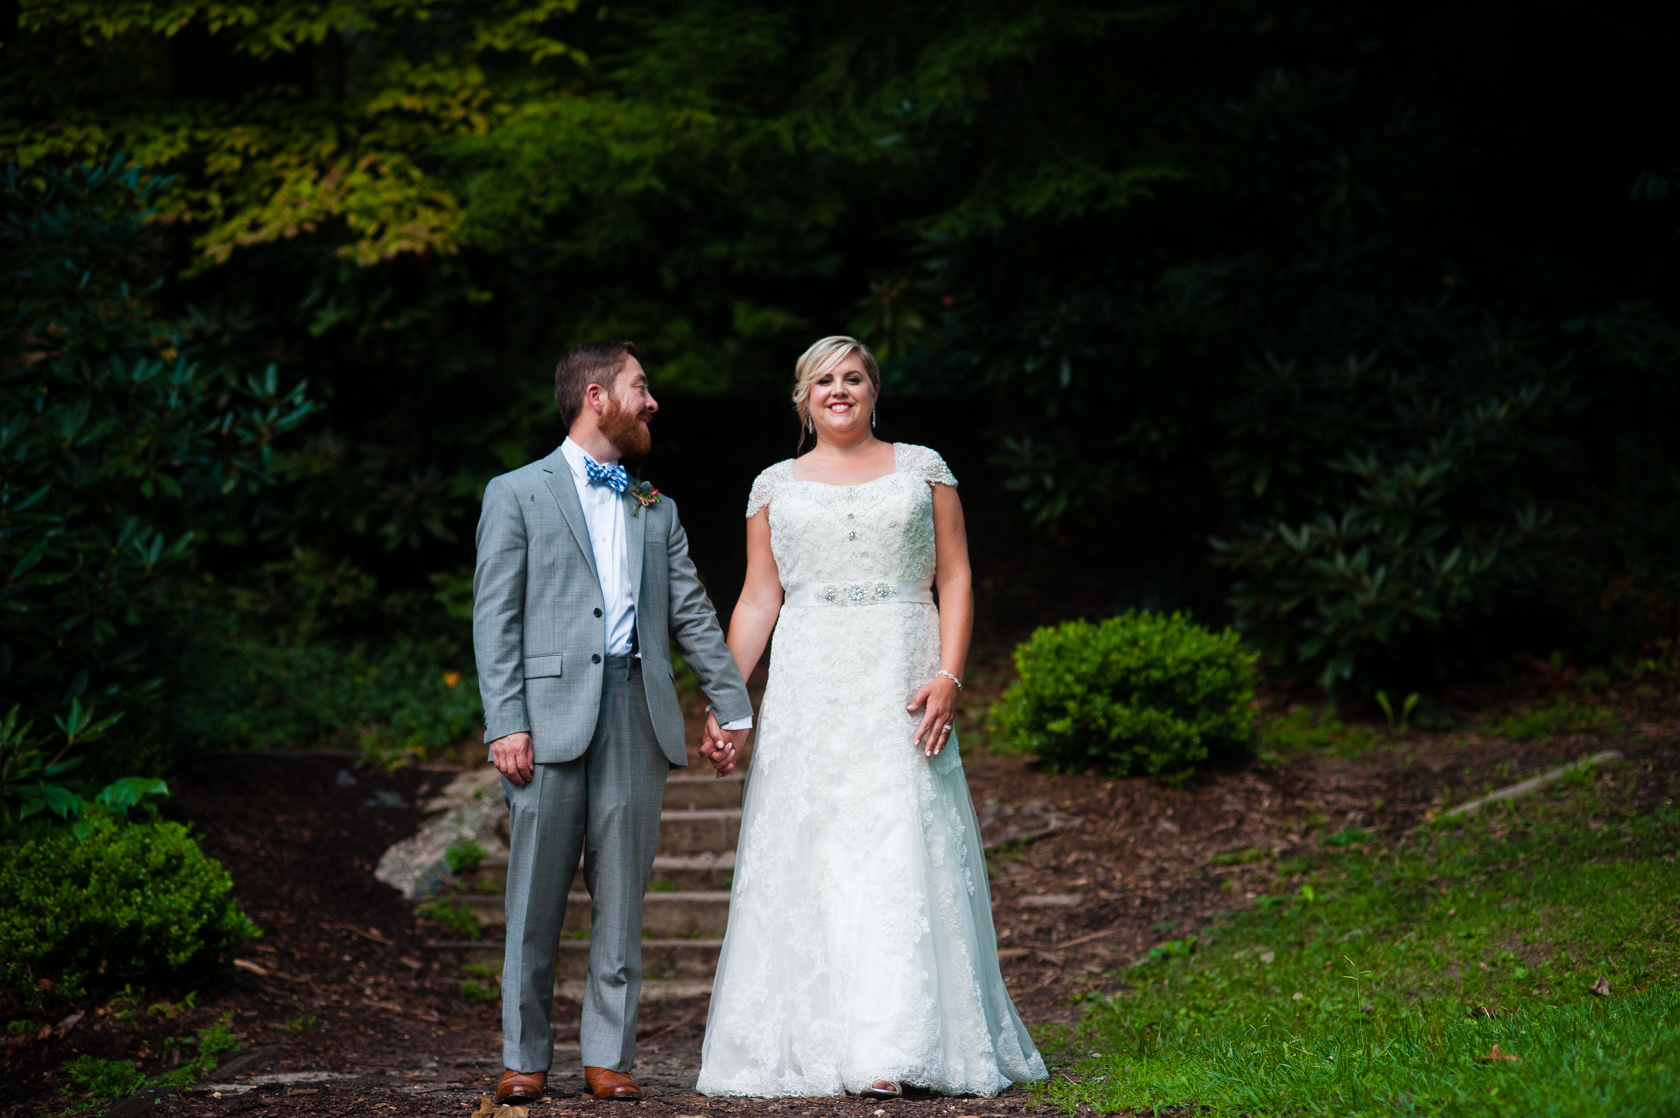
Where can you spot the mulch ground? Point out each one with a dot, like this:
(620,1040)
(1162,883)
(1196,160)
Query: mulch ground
(342,1010)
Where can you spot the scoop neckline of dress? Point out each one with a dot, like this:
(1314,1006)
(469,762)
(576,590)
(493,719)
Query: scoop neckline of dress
(847,485)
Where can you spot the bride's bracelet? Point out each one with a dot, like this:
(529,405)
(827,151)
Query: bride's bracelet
(950,677)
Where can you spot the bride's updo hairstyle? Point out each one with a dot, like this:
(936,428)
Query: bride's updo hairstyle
(823,355)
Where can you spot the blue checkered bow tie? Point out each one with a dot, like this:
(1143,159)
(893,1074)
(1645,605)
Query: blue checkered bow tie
(613,476)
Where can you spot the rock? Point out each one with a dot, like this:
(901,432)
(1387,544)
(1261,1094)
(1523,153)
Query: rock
(1002,824)
(470,808)
(1051,900)
(344,779)
(384,797)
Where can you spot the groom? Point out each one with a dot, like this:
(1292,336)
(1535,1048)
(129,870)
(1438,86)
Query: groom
(583,580)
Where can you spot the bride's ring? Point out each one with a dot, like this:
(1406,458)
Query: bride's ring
(947,727)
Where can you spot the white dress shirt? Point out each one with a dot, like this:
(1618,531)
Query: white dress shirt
(603,512)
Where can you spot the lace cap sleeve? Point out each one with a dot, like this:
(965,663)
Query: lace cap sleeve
(764,486)
(926,464)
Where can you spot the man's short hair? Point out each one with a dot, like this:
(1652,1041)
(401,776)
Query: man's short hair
(584,365)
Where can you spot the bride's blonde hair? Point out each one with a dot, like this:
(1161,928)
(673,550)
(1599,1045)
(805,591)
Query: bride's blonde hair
(819,359)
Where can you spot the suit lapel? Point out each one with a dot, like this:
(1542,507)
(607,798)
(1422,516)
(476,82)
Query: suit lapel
(557,473)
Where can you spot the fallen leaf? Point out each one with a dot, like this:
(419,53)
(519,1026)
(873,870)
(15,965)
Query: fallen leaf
(1602,987)
(1297,996)
(70,1022)
(487,1108)
(1267,956)
(1496,1056)
(246,964)
(411,964)
(1480,1011)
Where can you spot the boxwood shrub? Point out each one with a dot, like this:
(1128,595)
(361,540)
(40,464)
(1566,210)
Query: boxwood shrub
(129,902)
(1138,694)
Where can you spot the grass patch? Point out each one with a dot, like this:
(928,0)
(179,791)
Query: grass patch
(1563,715)
(1239,857)
(464,856)
(479,993)
(96,1082)
(1381,981)
(301,1026)
(454,917)
(1309,730)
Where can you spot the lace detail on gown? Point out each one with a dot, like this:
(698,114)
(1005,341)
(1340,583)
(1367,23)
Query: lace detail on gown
(908,458)
(764,485)
(860,942)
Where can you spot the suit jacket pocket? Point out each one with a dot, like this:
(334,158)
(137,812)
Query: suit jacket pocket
(538,667)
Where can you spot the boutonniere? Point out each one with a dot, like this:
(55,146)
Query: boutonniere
(645,495)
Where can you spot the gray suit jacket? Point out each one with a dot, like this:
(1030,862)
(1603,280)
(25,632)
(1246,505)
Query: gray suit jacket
(538,630)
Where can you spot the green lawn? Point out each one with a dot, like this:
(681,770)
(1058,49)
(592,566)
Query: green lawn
(1380,981)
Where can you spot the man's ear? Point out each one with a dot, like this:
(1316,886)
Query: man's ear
(592,396)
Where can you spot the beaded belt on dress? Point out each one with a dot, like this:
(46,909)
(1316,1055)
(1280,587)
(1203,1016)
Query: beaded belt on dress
(877,593)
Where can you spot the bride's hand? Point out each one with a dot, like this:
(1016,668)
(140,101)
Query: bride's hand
(718,745)
(938,701)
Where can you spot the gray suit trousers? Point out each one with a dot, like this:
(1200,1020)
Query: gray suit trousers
(604,804)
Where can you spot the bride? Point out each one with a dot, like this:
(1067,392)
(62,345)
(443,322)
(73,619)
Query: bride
(860,955)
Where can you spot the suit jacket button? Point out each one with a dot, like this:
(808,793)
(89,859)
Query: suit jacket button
(597,613)
(595,659)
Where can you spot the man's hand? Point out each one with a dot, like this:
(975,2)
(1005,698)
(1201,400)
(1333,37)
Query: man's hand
(720,746)
(515,757)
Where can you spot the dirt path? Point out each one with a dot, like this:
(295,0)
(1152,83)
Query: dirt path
(342,1009)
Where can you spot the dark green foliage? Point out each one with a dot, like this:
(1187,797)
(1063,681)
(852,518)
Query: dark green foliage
(128,903)
(1141,693)
(1381,298)
(1388,511)
(398,700)
(118,451)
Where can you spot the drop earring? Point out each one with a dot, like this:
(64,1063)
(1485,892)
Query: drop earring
(810,425)
(874,414)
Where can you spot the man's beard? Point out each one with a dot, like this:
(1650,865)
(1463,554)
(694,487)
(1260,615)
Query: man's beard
(623,429)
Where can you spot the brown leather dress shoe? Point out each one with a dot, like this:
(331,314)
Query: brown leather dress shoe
(518,1088)
(605,1084)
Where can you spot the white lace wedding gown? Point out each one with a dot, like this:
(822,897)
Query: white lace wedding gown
(860,942)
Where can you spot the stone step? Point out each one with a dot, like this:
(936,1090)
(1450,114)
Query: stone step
(664,915)
(703,793)
(653,989)
(662,959)
(699,874)
(688,834)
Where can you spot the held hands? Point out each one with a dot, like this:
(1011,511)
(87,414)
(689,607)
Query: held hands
(720,746)
(938,701)
(515,757)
